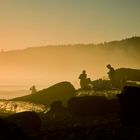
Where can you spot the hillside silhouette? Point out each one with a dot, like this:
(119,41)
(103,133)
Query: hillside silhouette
(51,64)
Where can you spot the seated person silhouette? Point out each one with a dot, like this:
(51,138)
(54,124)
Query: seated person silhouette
(83,80)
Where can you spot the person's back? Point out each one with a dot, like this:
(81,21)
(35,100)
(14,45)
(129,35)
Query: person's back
(111,74)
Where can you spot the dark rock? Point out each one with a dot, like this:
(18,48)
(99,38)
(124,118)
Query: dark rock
(127,74)
(92,106)
(123,75)
(101,84)
(129,100)
(10,131)
(28,121)
(57,112)
(61,91)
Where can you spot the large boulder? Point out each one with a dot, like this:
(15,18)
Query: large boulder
(10,131)
(123,75)
(127,74)
(101,84)
(129,100)
(61,91)
(27,121)
(57,112)
(92,107)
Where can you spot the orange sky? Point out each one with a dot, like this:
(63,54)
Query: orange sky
(27,23)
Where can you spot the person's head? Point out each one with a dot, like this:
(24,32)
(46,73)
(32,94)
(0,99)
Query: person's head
(84,71)
(108,66)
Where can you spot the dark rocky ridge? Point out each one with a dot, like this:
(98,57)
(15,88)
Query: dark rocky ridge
(62,91)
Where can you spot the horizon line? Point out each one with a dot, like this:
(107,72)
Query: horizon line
(67,44)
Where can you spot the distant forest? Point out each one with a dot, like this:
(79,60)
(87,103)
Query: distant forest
(128,42)
(55,63)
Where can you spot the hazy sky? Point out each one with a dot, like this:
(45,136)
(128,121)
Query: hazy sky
(25,23)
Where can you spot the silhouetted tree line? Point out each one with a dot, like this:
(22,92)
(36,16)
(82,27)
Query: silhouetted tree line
(133,42)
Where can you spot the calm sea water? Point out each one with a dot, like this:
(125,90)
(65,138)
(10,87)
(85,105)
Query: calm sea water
(12,91)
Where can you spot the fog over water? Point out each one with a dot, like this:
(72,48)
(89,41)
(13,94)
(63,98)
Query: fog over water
(48,65)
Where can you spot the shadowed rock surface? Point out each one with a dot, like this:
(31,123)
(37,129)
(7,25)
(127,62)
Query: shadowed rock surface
(28,121)
(61,91)
(57,113)
(101,84)
(130,102)
(10,131)
(127,74)
(92,106)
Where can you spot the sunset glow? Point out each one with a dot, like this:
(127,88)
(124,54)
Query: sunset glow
(27,23)
(37,39)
